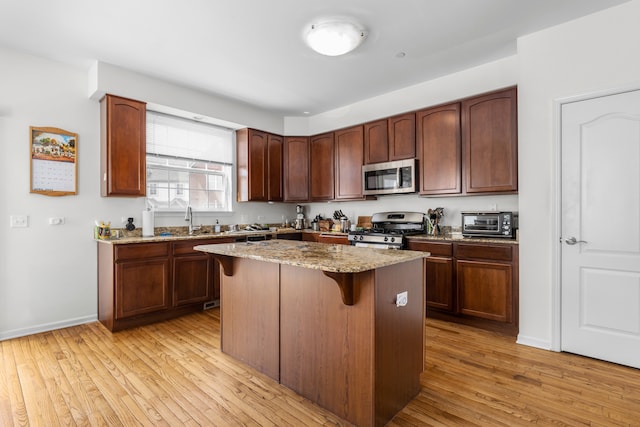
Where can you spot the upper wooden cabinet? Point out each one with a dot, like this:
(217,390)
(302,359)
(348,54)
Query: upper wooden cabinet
(470,147)
(402,137)
(349,147)
(490,141)
(390,139)
(376,142)
(259,166)
(296,169)
(321,161)
(275,150)
(122,147)
(439,150)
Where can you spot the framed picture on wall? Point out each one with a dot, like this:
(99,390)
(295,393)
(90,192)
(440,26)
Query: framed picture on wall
(54,161)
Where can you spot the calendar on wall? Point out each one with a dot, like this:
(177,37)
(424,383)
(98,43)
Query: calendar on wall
(54,161)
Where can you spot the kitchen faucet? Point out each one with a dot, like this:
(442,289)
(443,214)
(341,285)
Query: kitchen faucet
(188,216)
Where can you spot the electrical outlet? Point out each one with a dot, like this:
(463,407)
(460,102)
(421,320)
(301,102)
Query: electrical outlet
(402,299)
(19,221)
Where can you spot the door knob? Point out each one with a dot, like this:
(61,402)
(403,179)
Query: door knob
(572,241)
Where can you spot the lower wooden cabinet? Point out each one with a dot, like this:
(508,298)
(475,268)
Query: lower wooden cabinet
(472,283)
(142,283)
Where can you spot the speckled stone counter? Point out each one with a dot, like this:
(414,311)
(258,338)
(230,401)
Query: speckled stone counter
(458,238)
(178,235)
(316,256)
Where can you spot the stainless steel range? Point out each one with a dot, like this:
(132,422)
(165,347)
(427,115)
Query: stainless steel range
(388,230)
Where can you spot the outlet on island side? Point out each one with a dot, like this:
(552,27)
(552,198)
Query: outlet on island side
(402,299)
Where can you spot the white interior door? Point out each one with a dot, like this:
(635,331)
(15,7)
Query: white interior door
(601,228)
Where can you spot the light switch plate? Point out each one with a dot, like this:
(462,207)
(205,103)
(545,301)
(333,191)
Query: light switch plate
(19,221)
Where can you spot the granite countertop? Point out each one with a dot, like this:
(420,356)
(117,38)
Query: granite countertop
(316,256)
(129,239)
(458,238)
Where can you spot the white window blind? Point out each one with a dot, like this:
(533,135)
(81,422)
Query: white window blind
(188,163)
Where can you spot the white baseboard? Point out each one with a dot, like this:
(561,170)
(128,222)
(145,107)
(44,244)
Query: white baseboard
(46,327)
(534,342)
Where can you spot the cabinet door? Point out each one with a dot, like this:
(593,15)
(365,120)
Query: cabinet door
(439,283)
(439,148)
(485,290)
(123,147)
(490,140)
(402,137)
(251,149)
(376,142)
(274,168)
(192,279)
(296,169)
(321,166)
(142,287)
(349,158)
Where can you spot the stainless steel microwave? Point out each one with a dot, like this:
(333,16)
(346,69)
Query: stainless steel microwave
(389,177)
(490,224)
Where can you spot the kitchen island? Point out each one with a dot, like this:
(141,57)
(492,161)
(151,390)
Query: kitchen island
(331,322)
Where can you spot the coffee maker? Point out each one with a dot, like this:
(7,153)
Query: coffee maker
(299,217)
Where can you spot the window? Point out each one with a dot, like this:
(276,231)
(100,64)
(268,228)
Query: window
(188,163)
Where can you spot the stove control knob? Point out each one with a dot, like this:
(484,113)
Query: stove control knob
(361,237)
(386,239)
(393,239)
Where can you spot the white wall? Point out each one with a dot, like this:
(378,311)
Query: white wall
(598,52)
(48,276)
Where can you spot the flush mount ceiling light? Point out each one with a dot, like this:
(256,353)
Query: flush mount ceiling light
(334,37)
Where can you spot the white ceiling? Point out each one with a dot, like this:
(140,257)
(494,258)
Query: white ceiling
(252,50)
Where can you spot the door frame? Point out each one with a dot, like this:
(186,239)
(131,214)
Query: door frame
(556,236)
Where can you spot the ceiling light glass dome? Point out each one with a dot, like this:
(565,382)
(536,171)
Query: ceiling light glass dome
(333,38)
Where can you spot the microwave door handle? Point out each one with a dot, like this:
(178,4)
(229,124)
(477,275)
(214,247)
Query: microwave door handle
(398,178)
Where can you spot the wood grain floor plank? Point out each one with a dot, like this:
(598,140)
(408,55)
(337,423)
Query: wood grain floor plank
(173,373)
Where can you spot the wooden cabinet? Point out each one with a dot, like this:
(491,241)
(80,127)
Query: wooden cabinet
(485,281)
(141,279)
(470,147)
(142,283)
(349,147)
(259,166)
(490,141)
(390,139)
(439,149)
(296,169)
(194,274)
(402,137)
(439,274)
(472,283)
(321,167)
(376,142)
(122,147)
(275,152)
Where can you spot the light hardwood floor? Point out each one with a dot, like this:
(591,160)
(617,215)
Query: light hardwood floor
(173,373)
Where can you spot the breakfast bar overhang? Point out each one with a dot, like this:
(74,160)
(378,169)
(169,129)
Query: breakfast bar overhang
(340,325)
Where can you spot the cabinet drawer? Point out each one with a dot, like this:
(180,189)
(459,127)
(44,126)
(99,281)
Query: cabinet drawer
(338,240)
(435,248)
(142,250)
(489,252)
(185,247)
